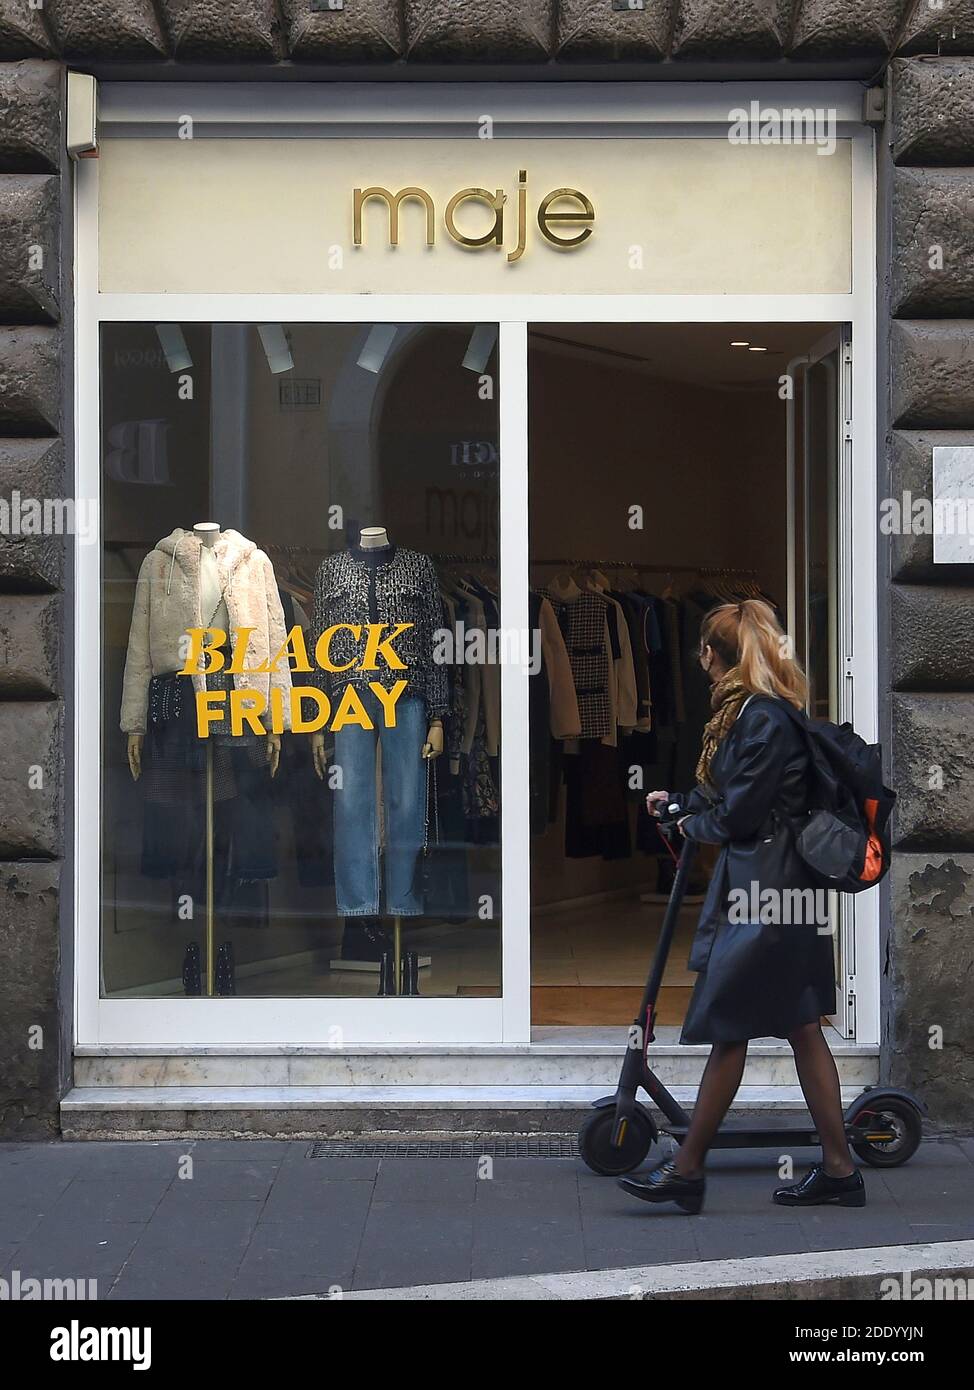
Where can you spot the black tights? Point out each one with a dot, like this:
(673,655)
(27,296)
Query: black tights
(819,1082)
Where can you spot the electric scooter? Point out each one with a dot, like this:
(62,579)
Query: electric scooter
(883,1124)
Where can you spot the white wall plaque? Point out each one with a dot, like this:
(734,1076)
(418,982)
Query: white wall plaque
(953,504)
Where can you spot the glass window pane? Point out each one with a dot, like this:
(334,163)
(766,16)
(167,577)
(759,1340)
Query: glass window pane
(295,508)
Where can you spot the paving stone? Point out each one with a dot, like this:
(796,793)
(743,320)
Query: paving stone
(232,1182)
(848,1228)
(526,1238)
(318,1201)
(204,1275)
(414,1243)
(336,1169)
(109,1199)
(734,1238)
(418,1180)
(196,1227)
(638,1235)
(245,1150)
(94,1250)
(285,1259)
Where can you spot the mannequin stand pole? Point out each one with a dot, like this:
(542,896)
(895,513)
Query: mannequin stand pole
(210,924)
(397,939)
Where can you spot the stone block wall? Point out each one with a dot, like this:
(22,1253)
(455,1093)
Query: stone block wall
(929,961)
(32,570)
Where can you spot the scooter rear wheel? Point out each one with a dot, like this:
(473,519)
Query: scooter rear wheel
(903,1121)
(596,1147)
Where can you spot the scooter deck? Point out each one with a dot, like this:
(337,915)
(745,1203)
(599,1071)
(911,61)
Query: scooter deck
(749,1136)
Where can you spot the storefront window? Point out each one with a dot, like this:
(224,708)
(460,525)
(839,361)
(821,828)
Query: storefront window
(301,746)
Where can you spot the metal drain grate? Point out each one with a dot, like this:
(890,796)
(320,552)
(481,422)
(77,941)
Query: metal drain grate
(531,1146)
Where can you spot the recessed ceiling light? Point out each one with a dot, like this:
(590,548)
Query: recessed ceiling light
(174,347)
(277,349)
(740,345)
(757,349)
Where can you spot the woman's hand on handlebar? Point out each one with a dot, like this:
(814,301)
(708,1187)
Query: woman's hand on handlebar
(655,802)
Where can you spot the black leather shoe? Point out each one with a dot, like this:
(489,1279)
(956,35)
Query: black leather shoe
(665,1184)
(816,1188)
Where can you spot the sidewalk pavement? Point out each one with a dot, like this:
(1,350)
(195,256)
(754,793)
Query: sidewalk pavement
(258,1219)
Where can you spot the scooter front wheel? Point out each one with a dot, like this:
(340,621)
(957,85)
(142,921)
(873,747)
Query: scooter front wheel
(601,1155)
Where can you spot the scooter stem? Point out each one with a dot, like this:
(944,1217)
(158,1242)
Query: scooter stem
(670,918)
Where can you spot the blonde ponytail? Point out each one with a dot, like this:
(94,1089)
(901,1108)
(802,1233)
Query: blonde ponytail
(764,655)
(748,635)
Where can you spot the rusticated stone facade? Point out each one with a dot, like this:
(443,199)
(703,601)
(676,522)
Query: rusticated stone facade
(418,32)
(33,992)
(927,397)
(930,401)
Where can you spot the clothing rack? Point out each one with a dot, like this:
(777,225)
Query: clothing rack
(450,557)
(650,568)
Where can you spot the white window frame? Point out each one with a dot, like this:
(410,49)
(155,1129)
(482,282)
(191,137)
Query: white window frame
(662,111)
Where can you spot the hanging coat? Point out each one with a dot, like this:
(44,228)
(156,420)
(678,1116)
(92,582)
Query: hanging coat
(762,947)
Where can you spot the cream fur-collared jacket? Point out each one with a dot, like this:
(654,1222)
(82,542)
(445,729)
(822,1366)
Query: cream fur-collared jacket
(167,605)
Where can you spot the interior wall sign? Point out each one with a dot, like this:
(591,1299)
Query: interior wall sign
(552,216)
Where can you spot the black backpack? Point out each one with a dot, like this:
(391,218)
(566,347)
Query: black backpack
(844,837)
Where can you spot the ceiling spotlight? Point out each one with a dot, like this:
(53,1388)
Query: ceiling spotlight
(277,349)
(757,349)
(481,345)
(174,347)
(740,344)
(376,347)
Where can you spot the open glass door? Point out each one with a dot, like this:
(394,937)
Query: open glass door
(821,585)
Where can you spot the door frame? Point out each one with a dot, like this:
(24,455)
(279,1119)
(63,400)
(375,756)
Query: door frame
(842,625)
(642,109)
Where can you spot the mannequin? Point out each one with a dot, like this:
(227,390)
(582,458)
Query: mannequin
(211,603)
(372,584)
(376,538)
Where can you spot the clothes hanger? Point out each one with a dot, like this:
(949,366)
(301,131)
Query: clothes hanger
(592,580)
(563,586)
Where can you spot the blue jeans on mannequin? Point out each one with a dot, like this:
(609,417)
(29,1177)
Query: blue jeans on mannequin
(357,811)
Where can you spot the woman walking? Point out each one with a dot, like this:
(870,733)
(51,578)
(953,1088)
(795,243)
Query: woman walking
(762,973)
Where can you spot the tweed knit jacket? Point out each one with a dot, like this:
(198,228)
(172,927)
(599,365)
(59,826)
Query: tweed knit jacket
(392,585)
(167,604)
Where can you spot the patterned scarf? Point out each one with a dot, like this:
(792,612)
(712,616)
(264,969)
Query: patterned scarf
(726,698)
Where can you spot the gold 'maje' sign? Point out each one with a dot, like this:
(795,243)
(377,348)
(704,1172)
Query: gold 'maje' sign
(494,236)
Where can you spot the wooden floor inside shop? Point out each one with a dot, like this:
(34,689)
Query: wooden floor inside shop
(589,962)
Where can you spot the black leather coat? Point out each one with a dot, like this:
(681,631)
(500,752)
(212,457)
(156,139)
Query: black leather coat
(763,944)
